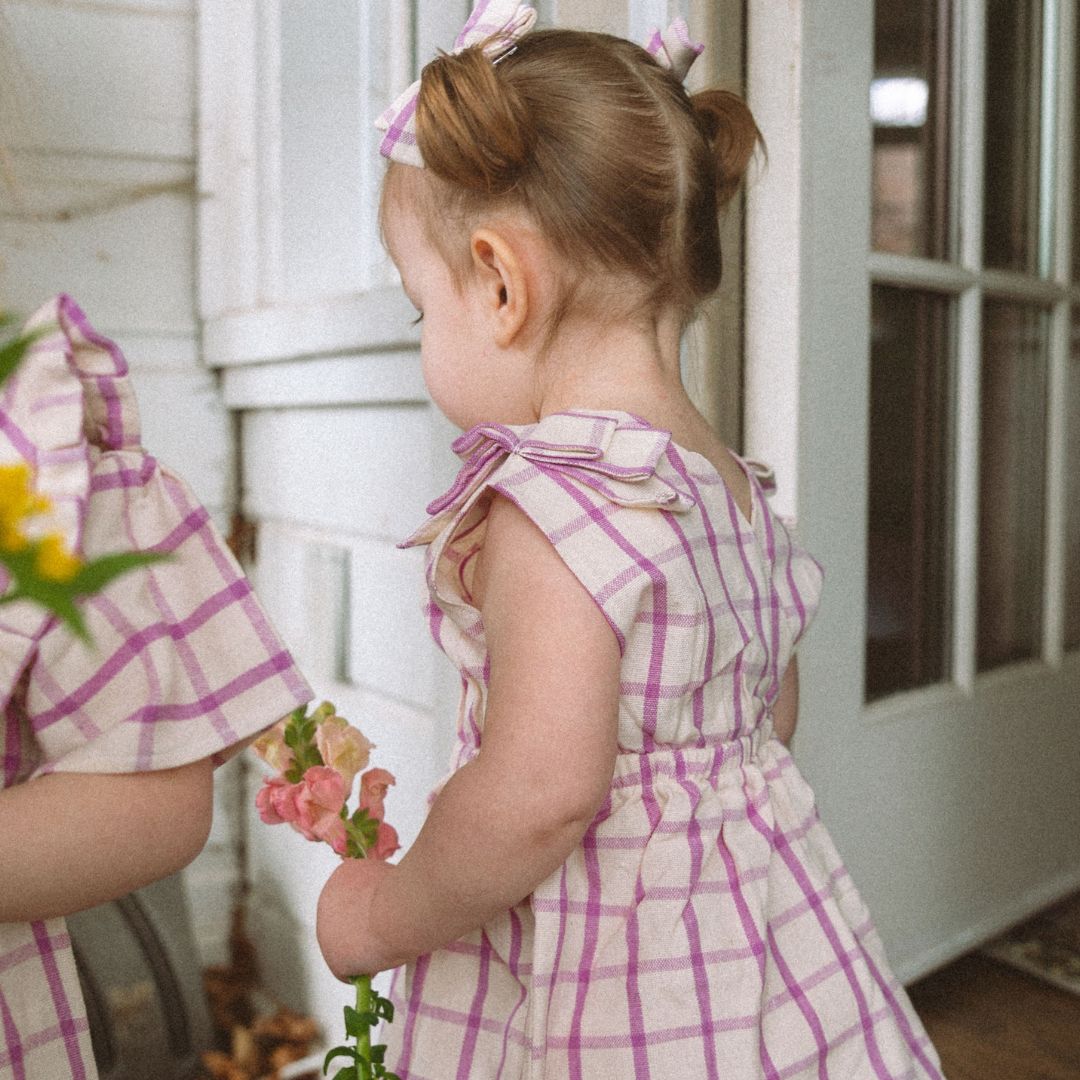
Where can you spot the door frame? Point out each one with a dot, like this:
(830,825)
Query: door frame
(954,806)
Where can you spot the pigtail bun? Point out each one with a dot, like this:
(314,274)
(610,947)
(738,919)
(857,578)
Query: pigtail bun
(472,129)
(621,171)
(733,136)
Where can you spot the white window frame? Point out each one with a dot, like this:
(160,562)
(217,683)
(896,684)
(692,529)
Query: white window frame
(781,282)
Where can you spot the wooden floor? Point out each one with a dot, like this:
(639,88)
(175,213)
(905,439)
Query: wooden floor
(992,1022)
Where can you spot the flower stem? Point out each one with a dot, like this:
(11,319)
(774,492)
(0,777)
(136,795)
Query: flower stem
(363,1037)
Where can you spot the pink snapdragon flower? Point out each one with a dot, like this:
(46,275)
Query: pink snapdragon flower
(386,842)
(276,801)
(374,785)
(316,758)
(316,767)
(342,747)
(312,807)
(271,747)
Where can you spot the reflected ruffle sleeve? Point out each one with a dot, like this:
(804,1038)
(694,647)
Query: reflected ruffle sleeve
(183,662)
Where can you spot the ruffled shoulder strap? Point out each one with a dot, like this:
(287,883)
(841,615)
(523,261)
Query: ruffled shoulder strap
(583,478)
(609,453)
(70,393)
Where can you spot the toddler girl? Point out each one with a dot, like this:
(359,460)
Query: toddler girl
(625,875)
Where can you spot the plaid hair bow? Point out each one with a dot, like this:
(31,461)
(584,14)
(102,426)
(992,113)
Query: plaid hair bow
(673,49)
(499,23)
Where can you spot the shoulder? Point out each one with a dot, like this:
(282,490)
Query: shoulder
(533,604)
(522,576)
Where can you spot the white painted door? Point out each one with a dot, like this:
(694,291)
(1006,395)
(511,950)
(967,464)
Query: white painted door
(913,370)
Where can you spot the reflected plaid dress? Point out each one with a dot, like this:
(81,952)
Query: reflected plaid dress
(705,927)
(184,663)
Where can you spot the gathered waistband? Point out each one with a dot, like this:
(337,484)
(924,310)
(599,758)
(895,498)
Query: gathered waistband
(700,762)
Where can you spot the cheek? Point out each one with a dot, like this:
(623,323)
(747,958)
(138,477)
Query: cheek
(443,383)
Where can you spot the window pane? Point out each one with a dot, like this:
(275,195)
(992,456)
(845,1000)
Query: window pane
(908,540)
(909,109)
(1072,472)
(1011,483)
(1013,81)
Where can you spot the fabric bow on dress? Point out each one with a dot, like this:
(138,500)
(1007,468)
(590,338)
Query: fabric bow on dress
(612,453)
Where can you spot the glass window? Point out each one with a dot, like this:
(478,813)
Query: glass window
(1012,483)
(1072,513)
(908,582)
(1013,82)
(909,110)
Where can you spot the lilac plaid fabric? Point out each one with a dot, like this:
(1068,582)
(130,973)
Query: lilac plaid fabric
(706,926)
(183,664)
(495,24)
(674,49)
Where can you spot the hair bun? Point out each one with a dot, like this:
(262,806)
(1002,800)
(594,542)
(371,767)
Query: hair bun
(733,135)
(472,129)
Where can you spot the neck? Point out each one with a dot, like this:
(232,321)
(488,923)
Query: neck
(628,366)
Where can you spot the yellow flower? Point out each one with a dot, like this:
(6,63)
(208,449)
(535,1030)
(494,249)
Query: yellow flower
(18,501)
(53,561)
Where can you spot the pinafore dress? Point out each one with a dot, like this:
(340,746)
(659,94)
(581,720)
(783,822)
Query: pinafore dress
(705,927)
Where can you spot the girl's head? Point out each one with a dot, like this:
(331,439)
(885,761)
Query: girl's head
(593,143)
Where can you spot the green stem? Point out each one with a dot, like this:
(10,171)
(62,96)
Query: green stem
(363,1005)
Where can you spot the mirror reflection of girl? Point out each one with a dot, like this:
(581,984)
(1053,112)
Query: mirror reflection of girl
(109,746)
(625,874)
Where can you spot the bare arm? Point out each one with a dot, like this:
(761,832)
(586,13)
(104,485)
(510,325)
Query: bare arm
(72,840)
(511,816)
(786,709)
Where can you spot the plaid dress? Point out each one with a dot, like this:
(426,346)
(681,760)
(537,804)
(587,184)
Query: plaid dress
(705,927)
(183,664)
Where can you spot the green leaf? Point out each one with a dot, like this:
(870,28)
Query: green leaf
(12,352)
(385,1009)
(58,597)
(94,576)
(378,1054)
(354,1022)
(338,1051)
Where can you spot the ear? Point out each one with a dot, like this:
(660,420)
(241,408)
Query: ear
(502,281)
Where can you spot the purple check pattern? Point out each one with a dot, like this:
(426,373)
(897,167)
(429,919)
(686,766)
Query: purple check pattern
(706,926)
(493,24)
(184,663)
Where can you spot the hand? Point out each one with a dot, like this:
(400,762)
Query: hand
(350,942)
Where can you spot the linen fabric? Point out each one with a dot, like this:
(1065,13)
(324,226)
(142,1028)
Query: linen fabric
(183,662)
(495,24)
(705,926)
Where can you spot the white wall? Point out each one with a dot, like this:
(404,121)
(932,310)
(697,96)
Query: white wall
(97,118)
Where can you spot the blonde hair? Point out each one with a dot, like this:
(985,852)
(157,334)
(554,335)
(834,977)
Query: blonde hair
(602,148)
